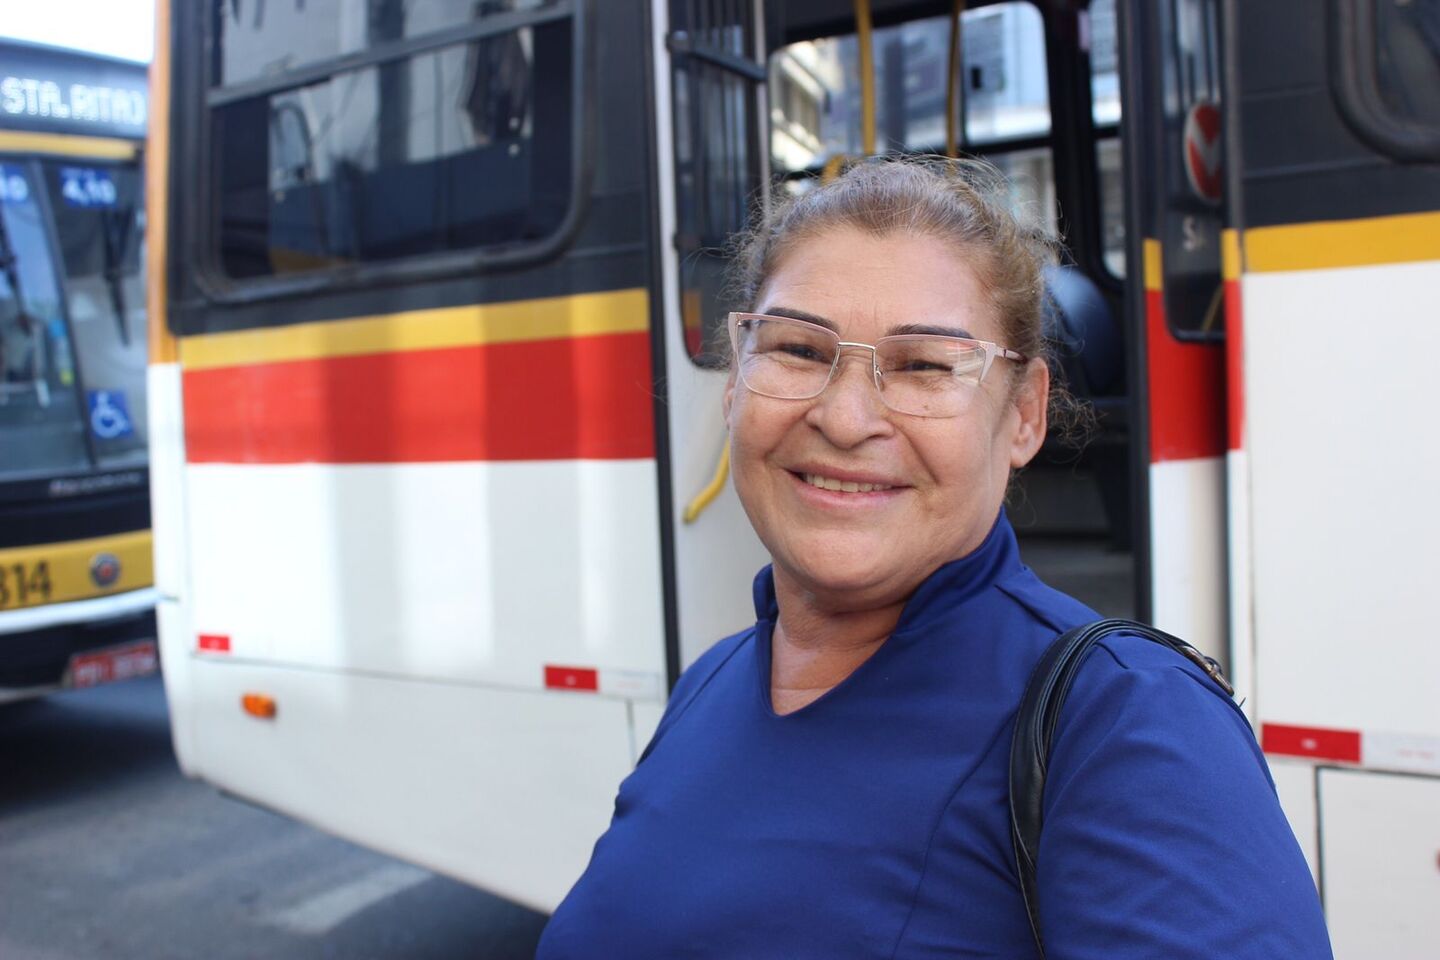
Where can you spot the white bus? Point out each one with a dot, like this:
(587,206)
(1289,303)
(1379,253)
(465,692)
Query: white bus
(439,487)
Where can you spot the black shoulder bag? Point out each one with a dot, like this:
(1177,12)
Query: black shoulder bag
(1035,728)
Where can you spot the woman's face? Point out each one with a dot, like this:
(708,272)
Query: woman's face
(946,477)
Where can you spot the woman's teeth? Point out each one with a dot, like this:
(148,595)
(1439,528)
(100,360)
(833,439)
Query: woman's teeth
(843,486)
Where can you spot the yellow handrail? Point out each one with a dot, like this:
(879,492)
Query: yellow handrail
(867,76)
(712,490)
(952,84)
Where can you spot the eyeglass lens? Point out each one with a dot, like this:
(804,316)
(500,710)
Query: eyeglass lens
(921,375)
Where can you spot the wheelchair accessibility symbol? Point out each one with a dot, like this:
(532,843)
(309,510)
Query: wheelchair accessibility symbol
(109,417)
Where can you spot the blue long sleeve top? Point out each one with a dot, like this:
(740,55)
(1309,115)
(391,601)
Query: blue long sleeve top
(874,822)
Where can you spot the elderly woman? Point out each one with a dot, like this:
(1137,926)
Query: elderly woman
(832,782)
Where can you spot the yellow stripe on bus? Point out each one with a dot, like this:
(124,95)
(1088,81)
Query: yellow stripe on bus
(106,148)
(1154,273)
(1230,260)
(583,314)
(1402,238)
(74,570)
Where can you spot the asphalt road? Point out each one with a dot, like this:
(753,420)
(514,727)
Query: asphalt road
(107,852)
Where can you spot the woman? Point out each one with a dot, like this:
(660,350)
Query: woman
(832,781)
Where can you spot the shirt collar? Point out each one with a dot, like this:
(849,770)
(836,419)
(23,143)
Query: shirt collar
(997,556)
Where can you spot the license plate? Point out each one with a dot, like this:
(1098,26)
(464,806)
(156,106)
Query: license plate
(117,663)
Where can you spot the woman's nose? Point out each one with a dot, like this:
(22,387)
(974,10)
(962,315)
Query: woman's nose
(850,409)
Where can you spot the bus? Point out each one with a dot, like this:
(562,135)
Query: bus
(76,585)
(440,485)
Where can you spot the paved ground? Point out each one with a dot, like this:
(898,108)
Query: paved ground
(107,852)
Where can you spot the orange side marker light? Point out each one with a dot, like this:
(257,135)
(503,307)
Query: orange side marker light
(259,705)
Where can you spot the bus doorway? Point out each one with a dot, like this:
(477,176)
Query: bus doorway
(1036,94)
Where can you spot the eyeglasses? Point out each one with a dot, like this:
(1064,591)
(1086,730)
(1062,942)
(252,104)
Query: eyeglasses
(918,374)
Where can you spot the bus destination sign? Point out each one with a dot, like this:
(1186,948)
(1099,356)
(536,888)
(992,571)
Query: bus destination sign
(49,90)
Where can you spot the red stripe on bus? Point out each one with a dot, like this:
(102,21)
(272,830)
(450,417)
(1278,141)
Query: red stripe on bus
(1234,365)
(573,398)
(1313,742)
(572,678)
(214,642)
(1187,391)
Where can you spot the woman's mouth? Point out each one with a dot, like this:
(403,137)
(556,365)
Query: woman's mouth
(842,486)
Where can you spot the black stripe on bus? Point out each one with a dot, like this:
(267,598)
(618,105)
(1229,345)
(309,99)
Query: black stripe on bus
(25,522)
(1301,161)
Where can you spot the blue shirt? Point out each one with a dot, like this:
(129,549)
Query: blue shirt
(873,822)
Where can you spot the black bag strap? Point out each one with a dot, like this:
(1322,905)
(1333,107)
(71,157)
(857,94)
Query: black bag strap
(1035,722)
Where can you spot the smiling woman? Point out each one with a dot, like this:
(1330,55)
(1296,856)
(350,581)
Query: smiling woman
(833,781)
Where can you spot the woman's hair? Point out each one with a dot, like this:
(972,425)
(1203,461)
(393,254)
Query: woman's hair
(962,203)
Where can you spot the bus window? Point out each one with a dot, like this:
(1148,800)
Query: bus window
(1003,74)
(1105,115)
(1194,186)
(1407,59)
(717,169)
(98,211)
(815,98)
(815,90)
(394,151)
(39,408)
(258,39)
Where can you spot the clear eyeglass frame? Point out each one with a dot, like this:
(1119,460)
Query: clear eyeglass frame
(737,322)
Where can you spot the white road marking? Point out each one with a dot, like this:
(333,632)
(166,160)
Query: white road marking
(326,911)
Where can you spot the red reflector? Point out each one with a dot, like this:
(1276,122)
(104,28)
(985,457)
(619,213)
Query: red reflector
(215,642)
(1342,745)
(571,678)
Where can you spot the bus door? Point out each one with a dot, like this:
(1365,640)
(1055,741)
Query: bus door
(1333,442)
(1176,314)
(1026,99)
(710,79)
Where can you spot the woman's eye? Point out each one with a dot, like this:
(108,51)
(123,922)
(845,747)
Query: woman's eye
(800,351)
(924,366)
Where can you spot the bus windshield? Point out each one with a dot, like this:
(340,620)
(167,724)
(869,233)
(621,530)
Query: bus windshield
(99,224)
(39,402)
(72,327)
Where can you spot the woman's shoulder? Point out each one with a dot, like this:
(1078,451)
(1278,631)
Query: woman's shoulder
(697,676)
(1120,663)
(1154,684)
(710,662)
(1053,609)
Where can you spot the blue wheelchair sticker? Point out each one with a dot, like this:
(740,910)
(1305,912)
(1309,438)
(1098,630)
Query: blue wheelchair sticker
(88,187)
(13,188)
(109,415)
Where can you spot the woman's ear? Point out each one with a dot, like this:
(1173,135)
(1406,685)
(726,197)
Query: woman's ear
(1031,399)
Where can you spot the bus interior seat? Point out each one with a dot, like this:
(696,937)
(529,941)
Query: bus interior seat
(1082,328)
(1089,349)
